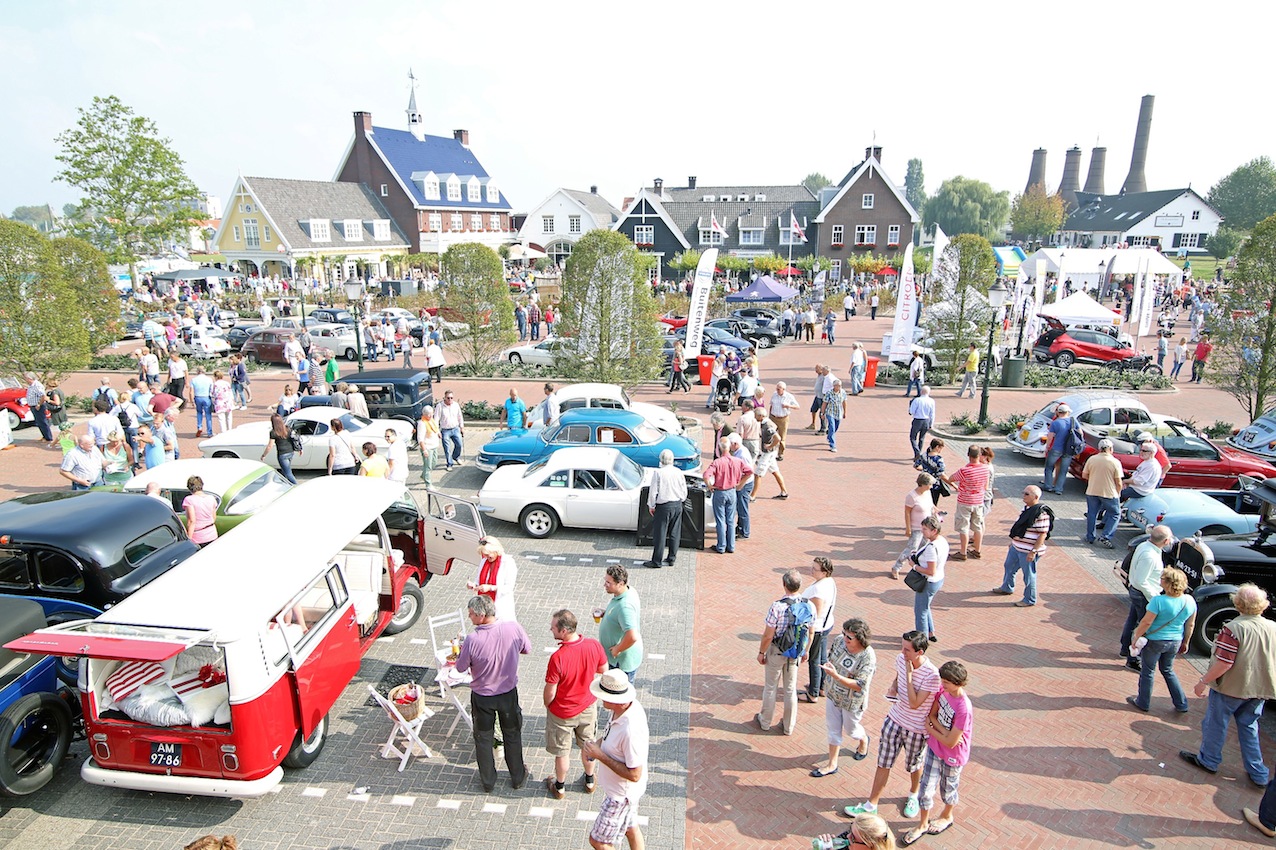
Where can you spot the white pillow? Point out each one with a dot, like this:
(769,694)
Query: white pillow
(222,716)
(202,704)
(157,705)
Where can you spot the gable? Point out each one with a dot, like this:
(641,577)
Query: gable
(868,177)
(411,158)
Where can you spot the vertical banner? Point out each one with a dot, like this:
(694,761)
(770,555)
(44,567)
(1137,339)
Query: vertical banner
(905,311)
(1149,296)
(698,313)
(937,250)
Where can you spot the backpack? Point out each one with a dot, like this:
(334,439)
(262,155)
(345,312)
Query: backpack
(792,638)
(1076,440)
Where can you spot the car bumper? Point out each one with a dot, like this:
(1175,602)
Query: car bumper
(168,784)
(1038,450)
(486,465)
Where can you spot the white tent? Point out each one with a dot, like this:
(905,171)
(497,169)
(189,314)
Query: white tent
(1080,309)
(1137,260)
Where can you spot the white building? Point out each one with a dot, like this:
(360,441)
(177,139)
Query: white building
(1173,221)
(557,223)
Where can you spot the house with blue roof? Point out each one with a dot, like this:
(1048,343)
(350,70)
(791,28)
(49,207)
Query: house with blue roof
(434,187)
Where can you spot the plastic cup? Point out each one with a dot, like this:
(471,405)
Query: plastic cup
(598,615)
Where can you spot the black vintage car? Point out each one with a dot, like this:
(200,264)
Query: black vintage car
(390,393)
(1217,564)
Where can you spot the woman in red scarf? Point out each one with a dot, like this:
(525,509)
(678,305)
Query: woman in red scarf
(496,577)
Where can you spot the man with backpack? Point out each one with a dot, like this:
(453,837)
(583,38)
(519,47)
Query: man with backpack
(1064,442)
(1028,538)
(785,641)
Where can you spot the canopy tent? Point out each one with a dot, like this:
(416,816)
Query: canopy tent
(1080,309)
(1137,260)
(765,288)
(195,274)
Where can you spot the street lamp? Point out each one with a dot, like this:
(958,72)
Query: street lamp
(354,293)
(996,297)
(292,271)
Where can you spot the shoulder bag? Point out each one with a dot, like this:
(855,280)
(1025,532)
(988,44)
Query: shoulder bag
(915,580)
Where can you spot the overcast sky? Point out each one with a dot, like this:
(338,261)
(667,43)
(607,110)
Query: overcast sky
(614,94)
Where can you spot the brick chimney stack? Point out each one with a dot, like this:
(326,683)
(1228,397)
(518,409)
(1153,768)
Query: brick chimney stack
(691,182)
(362,156)
(462,136)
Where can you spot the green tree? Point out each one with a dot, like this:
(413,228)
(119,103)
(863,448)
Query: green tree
(40,329)
(963,205)
(85,273)
(1247,195)
(686,261)
(1035,214)
(815,181)
(1224,243)
(609,312)
(915,184)
(959,314)
(40,217)
(475,293)
(1243,362)
(812,265)
(769,263)
(134,183)
(732,265)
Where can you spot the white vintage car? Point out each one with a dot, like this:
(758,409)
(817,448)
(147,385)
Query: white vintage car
(1099,411)
(578,487)
(310,424)
(339,339)
(574,396)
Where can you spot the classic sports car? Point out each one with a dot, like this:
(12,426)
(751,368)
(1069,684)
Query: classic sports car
(13,402)
(578,487)
(1102,411)
(540,353)
(241,487)
(1189,511)
(575,396)
(625,430)
(1258,438)
(338,338)
(1195,462)
(311,425)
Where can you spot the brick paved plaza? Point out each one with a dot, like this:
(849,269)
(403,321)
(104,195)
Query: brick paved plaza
(1059,759)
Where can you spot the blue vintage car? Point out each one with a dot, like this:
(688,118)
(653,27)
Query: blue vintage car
(629,432)
(1189,511)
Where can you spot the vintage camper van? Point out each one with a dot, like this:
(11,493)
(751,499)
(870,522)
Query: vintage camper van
(223,670)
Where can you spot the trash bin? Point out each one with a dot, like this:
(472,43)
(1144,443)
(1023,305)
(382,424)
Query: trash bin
(870,372)
(693,514)
(1012,371)
(705,362)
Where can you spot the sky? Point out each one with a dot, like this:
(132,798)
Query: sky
(568,94)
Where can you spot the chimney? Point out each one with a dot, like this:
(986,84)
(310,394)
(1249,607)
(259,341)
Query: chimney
(691,182)
(658,185)
(874,152)
(1136,180)
(362,156)
(462,136)
(1037,173)
(1071,181)
(1094,180)
(593,190)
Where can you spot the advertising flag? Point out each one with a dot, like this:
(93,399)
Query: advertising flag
(905,311)
(699,310)
(794,229)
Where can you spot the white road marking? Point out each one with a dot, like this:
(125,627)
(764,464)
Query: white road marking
(540,812)
(613,560)
(586,560)
(642,820)
(359,798)
(495,808)
(584,815)
(558,558)
(655,656)
(385,640)
(448,804)
(313,792)
(402,800)
(419,642)
(531,557)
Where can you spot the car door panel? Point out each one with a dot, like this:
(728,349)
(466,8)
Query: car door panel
(590,504)
(452,529)
(326,655)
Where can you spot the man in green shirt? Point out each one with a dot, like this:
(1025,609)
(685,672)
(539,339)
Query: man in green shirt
(619,631)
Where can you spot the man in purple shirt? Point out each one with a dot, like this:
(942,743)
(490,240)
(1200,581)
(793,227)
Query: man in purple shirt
(490,654)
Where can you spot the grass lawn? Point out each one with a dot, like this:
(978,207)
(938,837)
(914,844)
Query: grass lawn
(1202,266)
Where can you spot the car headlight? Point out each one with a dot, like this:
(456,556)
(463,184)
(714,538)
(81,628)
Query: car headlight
(1210,573)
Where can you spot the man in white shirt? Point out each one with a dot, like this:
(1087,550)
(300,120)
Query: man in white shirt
(848,307)
(786,319)
(622,753)
(821,387)
(1143,481)
(664,501)
(746,386)
(916,374)
(782,402)
(451,427)
(859,366)
(872,305)
(922,409)
(83,465)
(397,456)
(267,314)
(102,423)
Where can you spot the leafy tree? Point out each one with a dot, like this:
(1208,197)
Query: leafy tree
(72,211)
(963,205)
(1243,362)
(133,182)
(1224,243)
(915,184)
(686,261)
(769,263)
(733,266)
(960,312)
(40,330)
(40,217)
(1035,214)
(1247,195)
(815,181)
(475,294)
(609,311)
(96,303)
(813,265)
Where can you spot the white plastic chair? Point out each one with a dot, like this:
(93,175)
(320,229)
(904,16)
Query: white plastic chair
(407,730)
(448,677)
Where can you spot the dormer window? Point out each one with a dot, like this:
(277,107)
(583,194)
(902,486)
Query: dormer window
(352,230)
(381,230)
(431,187)
(759,197)
(454,189)
(493,194)
(474,193)
(319,230)
(742,197)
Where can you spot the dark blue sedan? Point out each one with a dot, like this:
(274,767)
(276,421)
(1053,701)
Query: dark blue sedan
(629,432)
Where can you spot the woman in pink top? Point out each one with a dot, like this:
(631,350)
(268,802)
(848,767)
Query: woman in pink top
(201,513)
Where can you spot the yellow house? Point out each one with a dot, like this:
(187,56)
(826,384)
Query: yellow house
(311,228)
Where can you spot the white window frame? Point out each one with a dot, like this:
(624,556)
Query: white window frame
(319,230)
(644,234)
(710,237)
(234,230)
(432,189)
(573,224)
(352,230)
(547,224)
(1139,241)
(892,236)
(788,237)
(436,222)
(752,236)
(493,194)
(866,202)
(474,193)
(866,234)
(494,222)
(385,190)
(836,272)
(265,233)
(453,189)
(476,222)
(839,235)
(456,223)
(252,236)
(381,230)
(1189,240)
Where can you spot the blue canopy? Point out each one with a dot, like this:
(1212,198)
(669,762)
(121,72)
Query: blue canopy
(765,288)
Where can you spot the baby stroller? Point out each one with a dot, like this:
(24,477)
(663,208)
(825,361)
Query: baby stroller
(724,395)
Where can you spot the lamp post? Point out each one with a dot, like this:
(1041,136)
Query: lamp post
(996,297)
(354,293)
(292,272)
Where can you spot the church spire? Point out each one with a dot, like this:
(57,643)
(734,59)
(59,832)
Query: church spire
(416,124)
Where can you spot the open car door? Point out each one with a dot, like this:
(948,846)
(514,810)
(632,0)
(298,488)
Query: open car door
(451,530)
(110,641)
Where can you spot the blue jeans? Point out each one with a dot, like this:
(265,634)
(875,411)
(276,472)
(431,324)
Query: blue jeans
(831,424)
(857,380)
(285,466)
(1015,562)
(1178,367)
(742,508)
(819,654)
(535,331)
(1159,655)
(240,392)
(451,445)
(917,436)
(1138,607)
(724,519)
(1219,712)
(628,673)
(1054,482)
(1110,508)
(370,350)
(522,330)
(1267,808)
(204,413)
(923,620)
(828,331)
(913,382)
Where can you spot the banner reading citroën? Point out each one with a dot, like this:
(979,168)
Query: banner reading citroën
(905,311)
(698,313)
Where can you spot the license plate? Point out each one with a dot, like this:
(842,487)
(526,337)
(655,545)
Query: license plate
(1023,435)
(166,755)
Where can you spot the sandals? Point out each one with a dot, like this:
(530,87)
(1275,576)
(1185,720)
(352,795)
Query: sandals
(912,836)
(937,826)
(803,696)
(857,755)
(819,772)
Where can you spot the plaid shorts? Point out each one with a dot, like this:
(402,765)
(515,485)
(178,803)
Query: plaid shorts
(616,817)
(937,772)
(894,737)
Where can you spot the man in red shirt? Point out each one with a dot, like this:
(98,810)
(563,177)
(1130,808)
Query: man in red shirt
(724,476)
(1199,356)
(971,482)
(571,710)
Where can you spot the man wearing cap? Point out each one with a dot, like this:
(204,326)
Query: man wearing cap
(1057,456)
(570,709)
(490,654)
(1162,457)
(622,755)
(778,665)
(1145,477)
(1102,474)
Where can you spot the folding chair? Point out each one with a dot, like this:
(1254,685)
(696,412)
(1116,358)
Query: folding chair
(407,730)
(449,678)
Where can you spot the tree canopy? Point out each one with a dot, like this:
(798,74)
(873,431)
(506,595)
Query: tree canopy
(815,181)
(40,217)
(136,191)
(1247,195)
(960,313)
(1035,215)
(915,184)
(1243,362)
(1224,242)
(963,205)
(474,291)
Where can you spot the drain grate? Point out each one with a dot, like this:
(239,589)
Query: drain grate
(399,674)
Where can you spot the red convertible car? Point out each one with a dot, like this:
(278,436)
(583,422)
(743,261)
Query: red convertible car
(1195,462)
(13,401)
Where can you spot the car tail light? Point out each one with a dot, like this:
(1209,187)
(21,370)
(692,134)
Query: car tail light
(1043,438)
(1160,516)
(1020,425)
(101,749)
(230,761)
(1271,444)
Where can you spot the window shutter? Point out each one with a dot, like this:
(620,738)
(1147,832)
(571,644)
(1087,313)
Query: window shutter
(1178,238)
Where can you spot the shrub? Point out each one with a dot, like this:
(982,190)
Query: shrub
(1050,377)
(1008,423)
(894,375)
(480,411)
(966,423)
(1220,430)
(114,362)
(80,403)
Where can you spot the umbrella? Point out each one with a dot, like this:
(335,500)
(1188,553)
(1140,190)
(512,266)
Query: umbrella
(195,274)
(525,252)
(790,271)
(717,270)
(887,270)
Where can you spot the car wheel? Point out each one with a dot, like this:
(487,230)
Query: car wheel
(762,342)
(1040,358)
(1211,616)
(305,750)
(538,521)
(351,355)
(252,357)
(225,454)
(516,358)
(1215,530)
(418,343)
(410,605)
(14,420)
(35,734)
(1064,359)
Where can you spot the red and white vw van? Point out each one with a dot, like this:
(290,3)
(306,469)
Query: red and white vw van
(215,674)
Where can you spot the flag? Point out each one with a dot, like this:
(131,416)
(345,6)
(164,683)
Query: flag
(1143,312)
(714,227)
(905,311)
(937,250)
(794,229)
(699,309)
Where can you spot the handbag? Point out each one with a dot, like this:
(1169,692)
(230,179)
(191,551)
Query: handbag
(943,488)
(915,580)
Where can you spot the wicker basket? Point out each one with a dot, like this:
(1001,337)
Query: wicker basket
(409,710)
